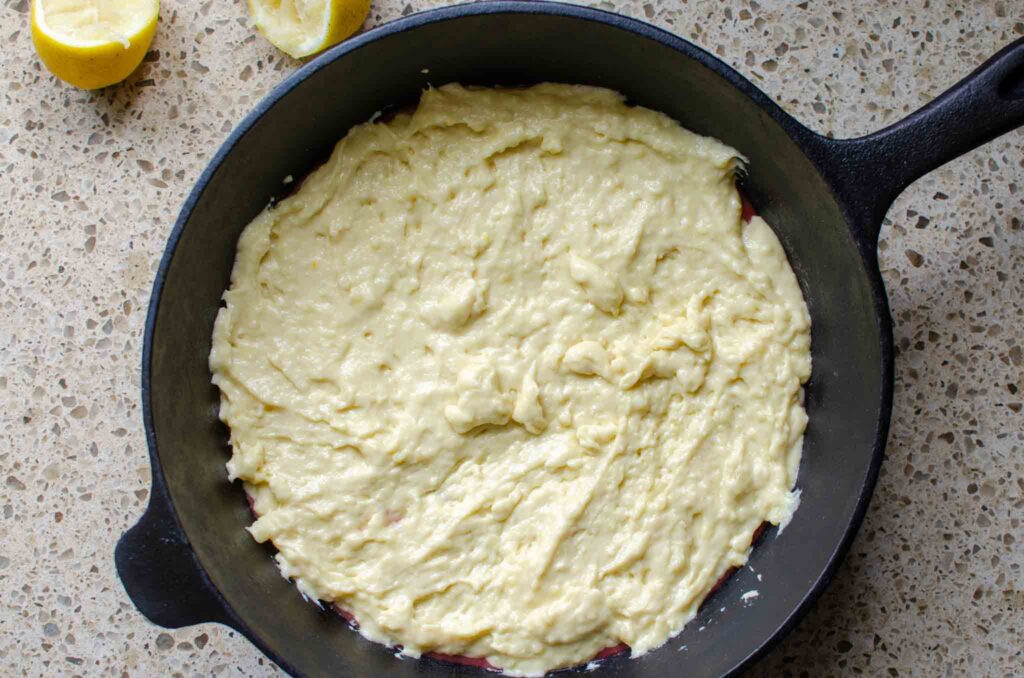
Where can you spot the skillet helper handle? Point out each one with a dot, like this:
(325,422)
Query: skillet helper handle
(160,572)
(871,171)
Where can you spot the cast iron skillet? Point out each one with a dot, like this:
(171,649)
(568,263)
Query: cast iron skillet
(189,560)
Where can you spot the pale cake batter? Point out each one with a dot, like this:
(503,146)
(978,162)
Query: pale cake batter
(509,377)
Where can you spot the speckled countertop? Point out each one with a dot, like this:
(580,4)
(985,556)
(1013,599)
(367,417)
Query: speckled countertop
(90,184)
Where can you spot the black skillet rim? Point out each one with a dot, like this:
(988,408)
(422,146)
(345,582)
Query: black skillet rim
(806,139)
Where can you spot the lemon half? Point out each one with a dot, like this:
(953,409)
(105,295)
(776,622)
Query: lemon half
(304,27)
(93,43)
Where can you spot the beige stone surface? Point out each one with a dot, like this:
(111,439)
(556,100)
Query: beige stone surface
(90,184)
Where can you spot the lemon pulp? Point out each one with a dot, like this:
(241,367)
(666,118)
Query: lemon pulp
(87,22)
(304,27)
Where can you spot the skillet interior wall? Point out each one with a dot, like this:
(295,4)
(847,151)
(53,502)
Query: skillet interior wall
(842,396)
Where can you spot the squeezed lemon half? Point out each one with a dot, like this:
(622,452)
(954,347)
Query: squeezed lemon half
(93,43)
(304,27)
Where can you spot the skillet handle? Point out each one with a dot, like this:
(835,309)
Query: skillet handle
(869,172)
(160,572)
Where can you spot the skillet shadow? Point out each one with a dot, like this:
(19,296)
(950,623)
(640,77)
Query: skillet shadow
(881,592)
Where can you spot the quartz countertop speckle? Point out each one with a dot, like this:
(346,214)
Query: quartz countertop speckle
(90,184)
